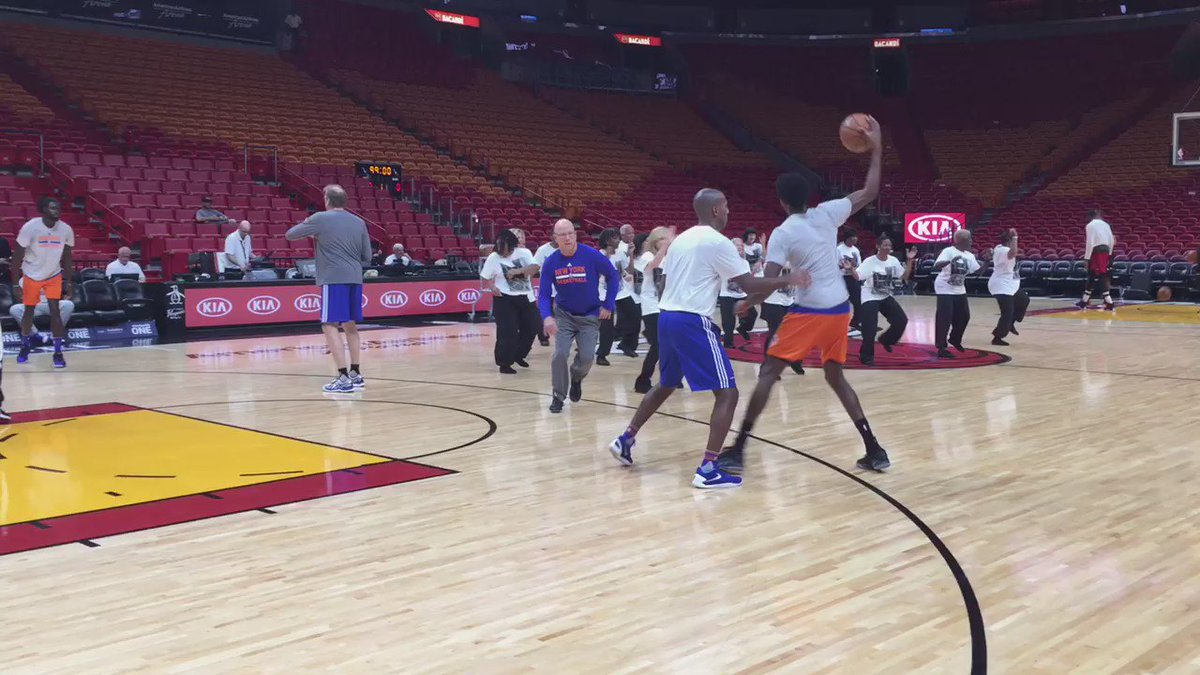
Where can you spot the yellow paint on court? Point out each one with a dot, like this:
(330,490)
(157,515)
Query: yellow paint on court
(78,462)
(1148,313)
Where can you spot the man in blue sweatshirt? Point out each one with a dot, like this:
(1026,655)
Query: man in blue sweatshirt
(575,311)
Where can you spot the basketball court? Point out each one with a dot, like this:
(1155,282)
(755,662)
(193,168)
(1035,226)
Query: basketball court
(208,506)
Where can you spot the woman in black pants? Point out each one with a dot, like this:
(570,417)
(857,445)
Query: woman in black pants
(1005,286)
(508,270)
(774,308)
(728,298)
(649,249)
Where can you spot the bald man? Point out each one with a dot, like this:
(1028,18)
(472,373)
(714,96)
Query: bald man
(698,262)
(239,251)
(950,285)
(571,308)
(123,265)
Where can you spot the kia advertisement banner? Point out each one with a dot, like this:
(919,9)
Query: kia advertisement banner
(235,305)
(932,228)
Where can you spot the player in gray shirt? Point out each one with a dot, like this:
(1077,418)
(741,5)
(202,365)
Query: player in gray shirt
(343,249)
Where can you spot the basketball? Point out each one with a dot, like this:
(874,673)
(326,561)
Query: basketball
(854,132)
(1191,257)
(1164,294)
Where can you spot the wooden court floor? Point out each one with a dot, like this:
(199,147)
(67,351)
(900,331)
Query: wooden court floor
(204,508)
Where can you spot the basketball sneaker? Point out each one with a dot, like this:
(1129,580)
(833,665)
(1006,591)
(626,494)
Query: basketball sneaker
(23,354)
(556,405)
(1081,305)
(642,385)
(576,391)
(876,459)
(5,418)
(357,381)
(622,449)
(1109,307)
(340,385)
(709,477)
(731,460)
(59,361)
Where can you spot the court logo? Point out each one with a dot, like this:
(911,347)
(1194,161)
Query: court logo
(263,305)
(469,296)
(927,228)
(309,303)
(432,297)
(214,307)
(394,299)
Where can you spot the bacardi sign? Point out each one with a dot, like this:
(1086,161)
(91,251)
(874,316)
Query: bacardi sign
(640,40)
(452,18)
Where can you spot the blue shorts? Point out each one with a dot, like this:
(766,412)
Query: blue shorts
(689,345)
(341,303)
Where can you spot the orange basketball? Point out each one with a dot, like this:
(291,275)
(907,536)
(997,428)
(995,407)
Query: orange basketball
(1164,294)
(854,132)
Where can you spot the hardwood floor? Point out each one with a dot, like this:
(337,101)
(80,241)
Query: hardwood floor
(1057,490)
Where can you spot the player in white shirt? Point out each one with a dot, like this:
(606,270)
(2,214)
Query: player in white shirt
(526,253)
(539,257)
(953,311)
(851,257)
(697,263)
(650,249)
(728,297)
(879,275)
(1098,252)
(806,242)
(1005,286)
(610,244)
(43,257)
(754,247)
(508,270)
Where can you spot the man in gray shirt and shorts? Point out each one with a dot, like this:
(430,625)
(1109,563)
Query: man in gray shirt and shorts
(343,249)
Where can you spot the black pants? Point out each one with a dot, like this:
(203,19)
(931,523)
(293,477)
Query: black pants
(773,315)
(953,315)
(651,333)
(729,319)
(869,319)
(516,327)
(854,287)
(1012,310)
(618,325)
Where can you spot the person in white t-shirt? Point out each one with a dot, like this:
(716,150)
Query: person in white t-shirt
(43,258)
(507,272)
(610,244)
(850,258)
(239,251)
(754,247)
(649,251)
(953,311)
(398,256)
(123,265)
(819,318)
(879,275)
(525,252)
(1005,286)
(1098,252)
(730,294)
(774,309)
(697,263)
(539,257)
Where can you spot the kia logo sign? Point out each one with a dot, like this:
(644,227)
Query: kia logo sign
(309,303)
(214,307)
(364,301)
(393,299)
(432,297)
(263,305)
(928,228)
(469,296)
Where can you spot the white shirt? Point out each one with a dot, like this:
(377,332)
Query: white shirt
(850,253)
(1098,233)
(879,277)
(808,241)
(543,252)
(629,281)
(754,251)
(392,259)
(237,248)
(44,248)
(620,260)
(649,290)
(730,289)
(1004,280)
(495,266)
(952,279)
(527,255)
(116,267)
(699,261)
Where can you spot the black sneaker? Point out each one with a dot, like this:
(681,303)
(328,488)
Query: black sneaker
(1081,305)
(5,418)
(556,405)
(576,392)
(1109,307)
(886,347)
(798,368)
(867,360)
(944,354)
(731,461)
(642,385)
(522,362)
(959,347)
(1013,329)
(728,344)
(631,353)
(544,343)
(745,335)
(998,342)
(602,361)
(508,370)
(876,459)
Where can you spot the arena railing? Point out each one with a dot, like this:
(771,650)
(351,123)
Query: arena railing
(41,151)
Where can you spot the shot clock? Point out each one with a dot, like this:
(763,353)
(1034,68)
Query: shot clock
(383,176)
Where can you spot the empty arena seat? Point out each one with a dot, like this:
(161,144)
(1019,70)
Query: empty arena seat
(100,298)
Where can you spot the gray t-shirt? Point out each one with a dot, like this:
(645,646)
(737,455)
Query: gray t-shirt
(342,244)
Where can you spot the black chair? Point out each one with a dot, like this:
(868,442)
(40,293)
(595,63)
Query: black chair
(1043,269)
(6,302)
(83,315)
(1178,274)
(1158,272)
(101,299)
(129,294)
(1025,269)
(91,273)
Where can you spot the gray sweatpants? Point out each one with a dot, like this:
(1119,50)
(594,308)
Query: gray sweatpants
(585,330)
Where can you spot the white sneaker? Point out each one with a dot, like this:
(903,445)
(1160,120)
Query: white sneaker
(357,381)
(340,385)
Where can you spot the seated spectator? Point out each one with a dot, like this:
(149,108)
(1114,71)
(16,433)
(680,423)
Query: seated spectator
(123,265)
(207,214)
(376,255)
(235,260)
(398,257)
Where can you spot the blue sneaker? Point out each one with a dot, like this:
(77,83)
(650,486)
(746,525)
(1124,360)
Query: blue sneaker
(357,381)
(23,355)
(340,385)
(709,478)
(59,361)
(622,449)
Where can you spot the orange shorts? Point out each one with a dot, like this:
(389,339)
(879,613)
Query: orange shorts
(799,334)
(32,290)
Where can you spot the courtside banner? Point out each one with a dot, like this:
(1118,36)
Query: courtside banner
(932,228)
(248,305)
